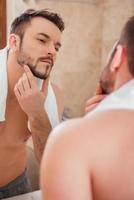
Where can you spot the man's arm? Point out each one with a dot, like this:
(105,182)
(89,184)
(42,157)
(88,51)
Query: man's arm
(40,129)
(64,171)
(31,100)
(41,126)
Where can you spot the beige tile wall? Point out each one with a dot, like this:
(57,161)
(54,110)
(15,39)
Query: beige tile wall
(91,29)
(115,15)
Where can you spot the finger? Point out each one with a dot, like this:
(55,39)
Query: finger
(95,99)
(45,85)
(25,82)
(30,76)
(20,87)
(91,107)
(98,89)
(17,93)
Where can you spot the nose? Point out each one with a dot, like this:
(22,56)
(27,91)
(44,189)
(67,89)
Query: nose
(51,50)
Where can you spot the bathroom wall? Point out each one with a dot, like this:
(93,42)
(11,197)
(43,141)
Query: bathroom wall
(115,14)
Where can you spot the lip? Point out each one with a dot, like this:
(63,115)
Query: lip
(48,61)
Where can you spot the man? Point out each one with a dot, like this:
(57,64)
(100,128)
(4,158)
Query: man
(29,104)
(92,158)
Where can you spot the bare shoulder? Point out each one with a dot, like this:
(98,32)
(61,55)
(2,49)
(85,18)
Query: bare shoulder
(81,136)
(62,173)
(92,145)
(61,135)
(108,124)
(112,153)
(59,99)
(109,117)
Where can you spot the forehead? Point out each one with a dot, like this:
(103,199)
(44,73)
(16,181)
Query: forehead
(42,25)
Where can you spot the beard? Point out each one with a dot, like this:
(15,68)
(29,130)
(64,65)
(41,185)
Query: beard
(105,86)
(107,81)
(34,70)
(107,78)
(35,67)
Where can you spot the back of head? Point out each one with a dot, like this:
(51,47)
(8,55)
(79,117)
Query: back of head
(20,23)
(127,40)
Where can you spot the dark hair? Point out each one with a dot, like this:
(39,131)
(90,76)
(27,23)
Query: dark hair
(20,23)
(127,39)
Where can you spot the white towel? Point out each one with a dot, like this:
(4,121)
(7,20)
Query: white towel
(50,104)
(3,83)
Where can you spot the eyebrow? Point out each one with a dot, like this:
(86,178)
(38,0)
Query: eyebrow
(48,37)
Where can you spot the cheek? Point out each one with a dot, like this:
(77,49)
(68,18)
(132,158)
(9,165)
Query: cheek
(29,47)
(33,49)
(55,56)
(36,51)
(30,52)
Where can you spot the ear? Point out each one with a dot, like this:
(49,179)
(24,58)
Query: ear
(14,42)
(117,59)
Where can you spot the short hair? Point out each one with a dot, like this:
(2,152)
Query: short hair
(20,23)
(127,39)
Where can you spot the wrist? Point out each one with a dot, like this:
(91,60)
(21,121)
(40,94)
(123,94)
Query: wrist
(40,123)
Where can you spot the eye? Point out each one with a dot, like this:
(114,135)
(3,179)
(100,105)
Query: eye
(41,40)
(57,49)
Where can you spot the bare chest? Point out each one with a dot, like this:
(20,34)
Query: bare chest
(14,128)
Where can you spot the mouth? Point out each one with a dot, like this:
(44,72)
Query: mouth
(48,61)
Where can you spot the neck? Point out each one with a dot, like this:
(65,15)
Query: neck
(122,79)
(14,71)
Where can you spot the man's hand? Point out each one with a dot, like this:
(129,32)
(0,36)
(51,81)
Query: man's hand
(30,98)
(93,102)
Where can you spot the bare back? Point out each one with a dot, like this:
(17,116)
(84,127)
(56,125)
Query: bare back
(13,136)
(114,163)
(98,158)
